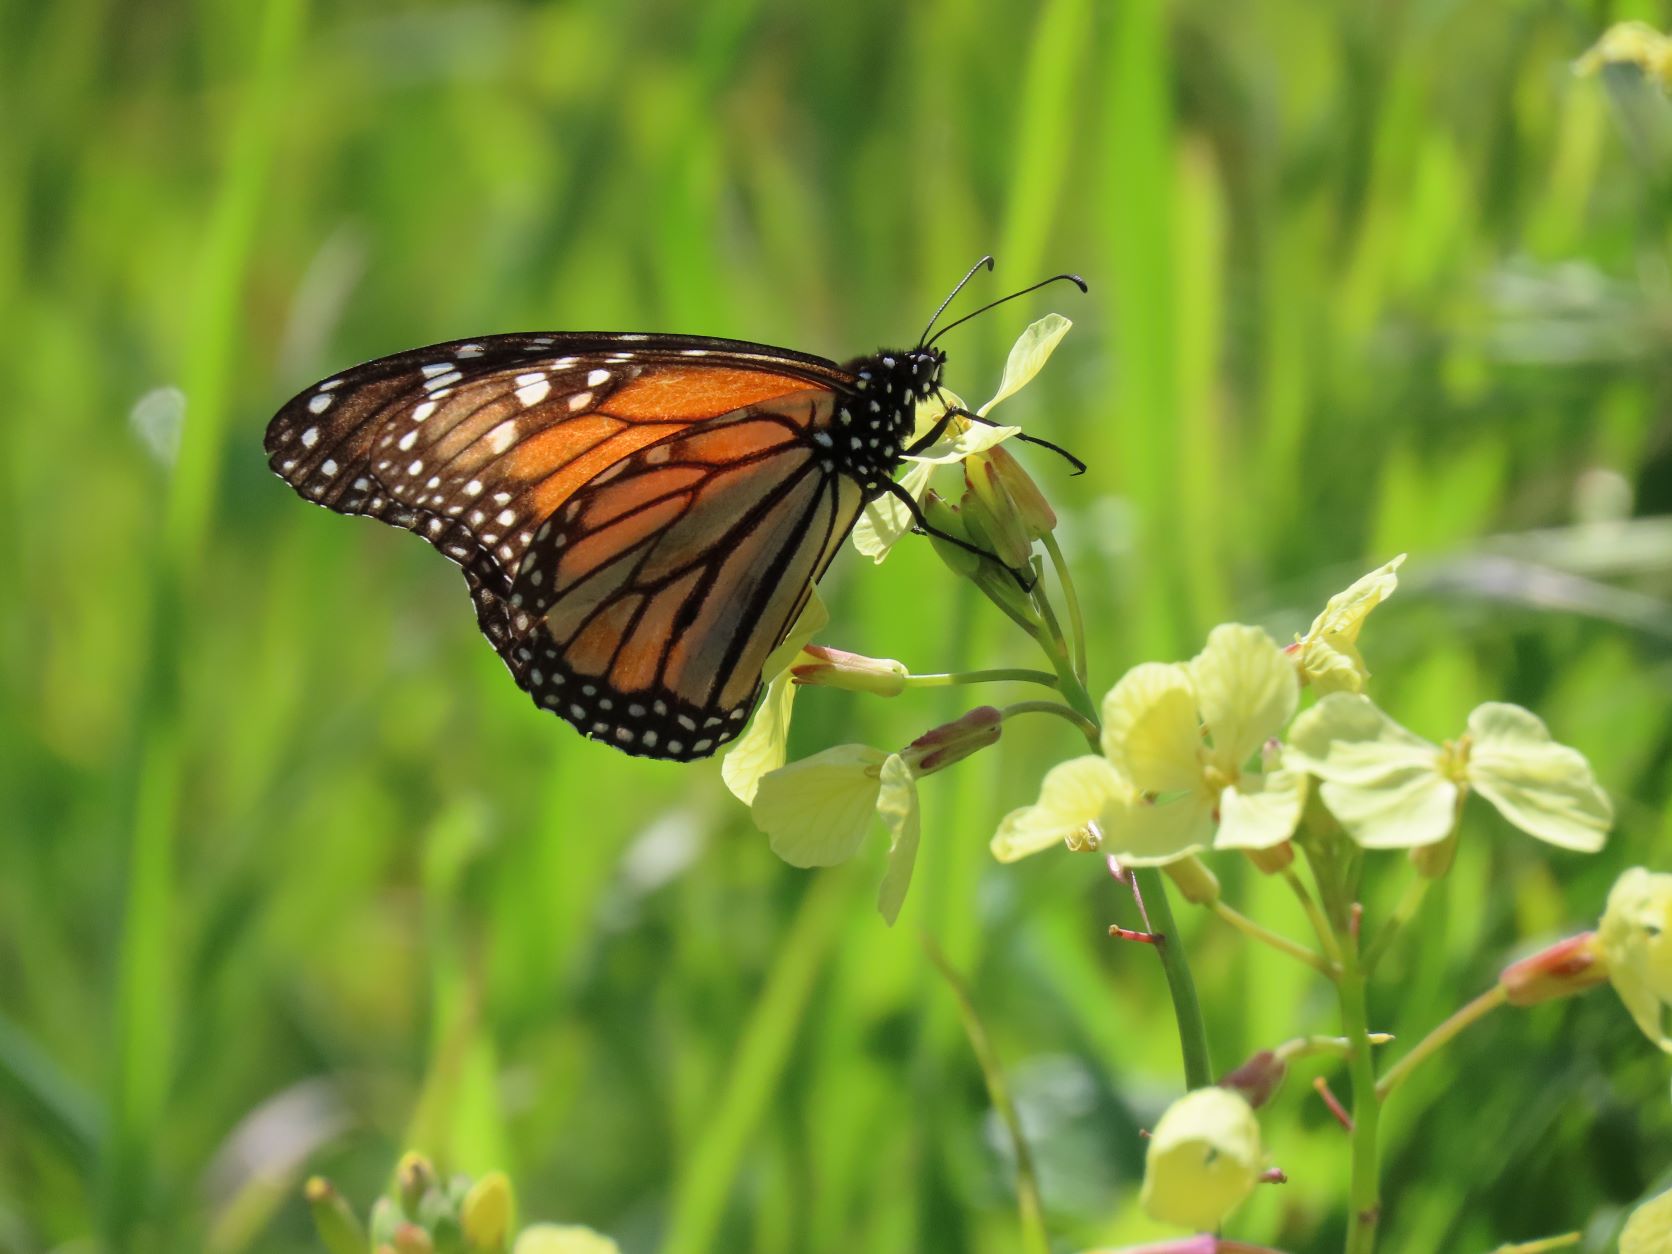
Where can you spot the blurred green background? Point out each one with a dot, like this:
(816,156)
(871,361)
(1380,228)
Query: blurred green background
(292,876)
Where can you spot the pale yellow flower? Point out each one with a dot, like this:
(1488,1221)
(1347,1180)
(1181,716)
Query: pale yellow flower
(1204,1159)
(1328,654)
(886,519)
(563,1239)
(1391,789)
(1649,1230)
(765,745)
(1636,941)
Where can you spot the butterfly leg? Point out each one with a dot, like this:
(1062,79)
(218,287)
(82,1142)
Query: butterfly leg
(1079,466)
(925,527)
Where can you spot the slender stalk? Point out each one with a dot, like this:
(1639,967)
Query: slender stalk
(1053,628)
(1265,936)
(1320,925)
(1016,674)
(1403,912)
(1478,1009)
(1084,724)
(1035,1238)
(1364,1194)
(1071,602)
(1193,1037)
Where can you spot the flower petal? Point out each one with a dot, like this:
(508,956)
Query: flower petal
(1260,811)
(1649,1230)
(1544,788)
(1246,689)
(563,1239)
(886,519)
(1636,939)
(814,618)
(1329,655)
(1150,728)
(1072,796)
(1203,1160)
(897,807)
(817,810)
(1146,833)
(765,746)
(1033,348)
(1381,782)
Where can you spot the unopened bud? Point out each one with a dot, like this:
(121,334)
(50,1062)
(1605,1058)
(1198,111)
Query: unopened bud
(835,668)
(988,506)
(1561,970)
(486,1214)
(385,1218)
(1272,861)
(945,517)
(414,1177)
(1197,884)
(338,1226)
(952,742)
(411,1239)
(1036,512)
(1258,1078)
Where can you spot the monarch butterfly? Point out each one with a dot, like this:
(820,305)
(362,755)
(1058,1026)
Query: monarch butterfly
(640,518)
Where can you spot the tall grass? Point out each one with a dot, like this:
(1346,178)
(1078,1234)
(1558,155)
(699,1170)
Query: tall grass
(291,877)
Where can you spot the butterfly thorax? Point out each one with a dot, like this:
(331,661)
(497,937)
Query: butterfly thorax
(875,420)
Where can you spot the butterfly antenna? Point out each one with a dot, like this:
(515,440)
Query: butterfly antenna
(1075,279)
(985,261)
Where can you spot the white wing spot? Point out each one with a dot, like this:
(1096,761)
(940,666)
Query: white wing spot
(579,401)
(563,363)
(319,403)
(329,467)
(693,352)
(534,393)
(329,384)
(436,385)
(506,517)
(423,411)
(533,376)
(597,378)
(310,437)
(473,488)
(407,441)
(469,350)
(504,435)
(434,368)
(501,498)
(416,469)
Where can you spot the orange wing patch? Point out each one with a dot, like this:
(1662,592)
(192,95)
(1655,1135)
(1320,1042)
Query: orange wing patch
(692,393)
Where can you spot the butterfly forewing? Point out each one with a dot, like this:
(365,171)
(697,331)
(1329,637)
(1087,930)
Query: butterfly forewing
(639,519)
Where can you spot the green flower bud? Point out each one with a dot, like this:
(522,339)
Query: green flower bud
(988,507)
(486,1214)
(414,1177)
(339,1228)
(836,668)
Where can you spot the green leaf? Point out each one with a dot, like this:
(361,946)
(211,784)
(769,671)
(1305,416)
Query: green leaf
(1544,788)
(897,807)
(817,810)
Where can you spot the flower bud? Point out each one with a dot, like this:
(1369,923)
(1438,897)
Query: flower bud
(338,1227)
(1035,511)
(385,1218)
(1258,1078)
(1561,970)
(1433,861)
(486,1213)
(414,1177)
(1203,1161)
(1197,884)
(411,1239)
(988,506)
(952,742)
(836,668)
(1272,861)
(945,517)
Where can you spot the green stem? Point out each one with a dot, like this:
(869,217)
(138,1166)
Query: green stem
(1071,600)
(1364,1195)
(1017,674)
(1478,1009)
(1193,1037)
(1265,936)
(1035,1239)
(1320,925)
(1409,902)
(1084,724)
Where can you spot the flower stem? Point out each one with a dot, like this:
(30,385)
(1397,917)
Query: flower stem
(1071,601)
(1320,925)
(1364,1194)
(1035,1239)
(1403,912)
(946,679)
(1086,726)
(1193,1037)
(1481,1006)
(1265,936)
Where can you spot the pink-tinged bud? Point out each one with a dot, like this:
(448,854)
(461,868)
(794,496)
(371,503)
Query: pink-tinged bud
(989,507)
(836,668)
(1037,515)
(952,742)
(1258,1078)
(1564,969)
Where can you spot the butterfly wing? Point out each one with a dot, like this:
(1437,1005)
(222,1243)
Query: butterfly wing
(479,445)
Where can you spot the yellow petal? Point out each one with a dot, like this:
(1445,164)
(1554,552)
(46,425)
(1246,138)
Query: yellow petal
(1381,782)
(1144,833)
(1150,728)
(1329,655)
(886,519)
(1636,939)
(1260,811)
(897,807)
(1649,1230)
(1246,690)
(1071,797)
(1033,348)
(817,810)
(1544,788)
(563,1239)
(764,747)
(814,618)
(1203,1160)
(963,439)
